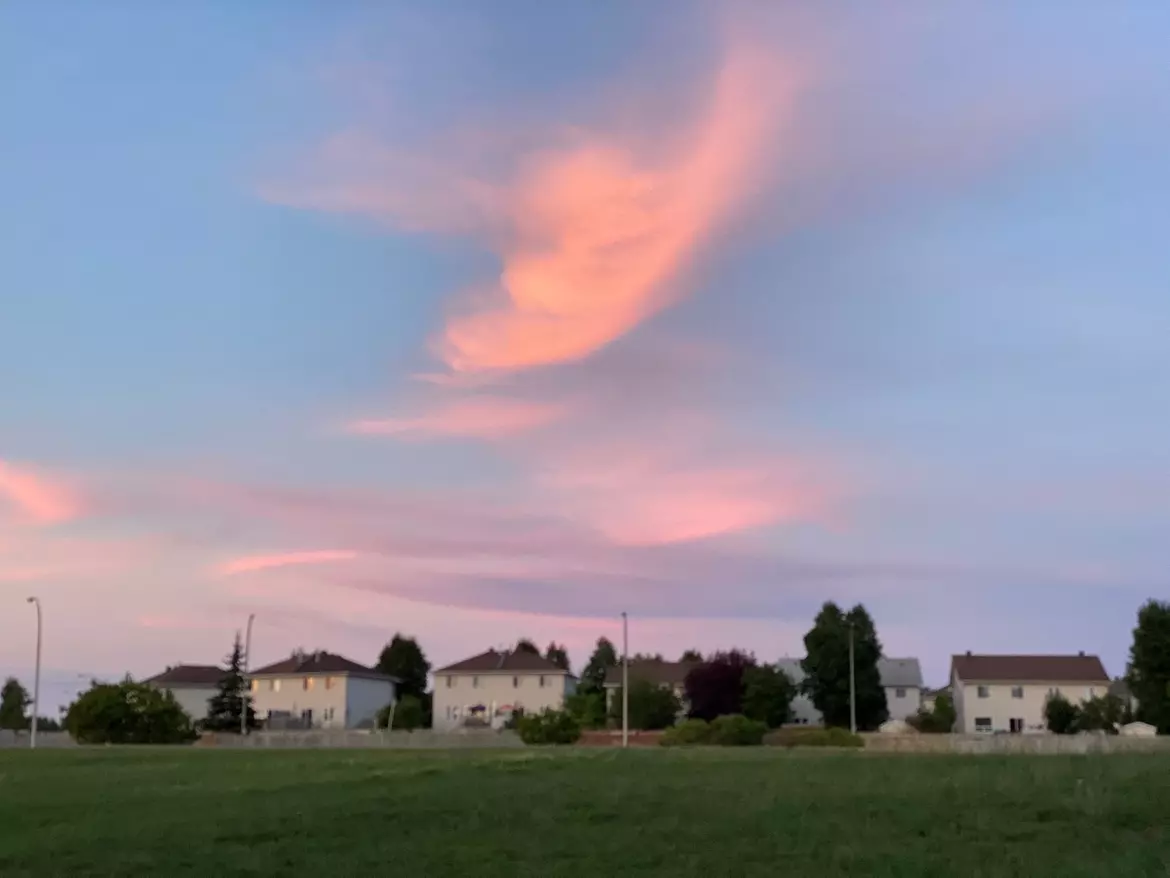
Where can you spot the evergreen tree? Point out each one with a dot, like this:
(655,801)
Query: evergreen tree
(826,667)
(1149,665)
(13,702)
(604,657)
(224,708)
(403,658)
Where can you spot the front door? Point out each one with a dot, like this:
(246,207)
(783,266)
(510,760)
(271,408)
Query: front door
(1017,726)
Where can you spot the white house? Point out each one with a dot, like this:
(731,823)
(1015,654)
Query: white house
(901,678)
(1007,693)
(193,686)
(486,689)
(320,690)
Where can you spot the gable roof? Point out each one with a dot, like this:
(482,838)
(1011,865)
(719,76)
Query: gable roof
(1030,668)
(317,663)
(661,673)
(188,675)
(509,662)
(905,673)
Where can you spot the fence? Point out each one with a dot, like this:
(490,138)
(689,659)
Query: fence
(357,739)
(1006,744)
(11,740)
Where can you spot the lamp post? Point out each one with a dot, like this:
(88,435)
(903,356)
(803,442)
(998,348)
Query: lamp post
(625,680)
(852,685)
(244,684)
(36,704)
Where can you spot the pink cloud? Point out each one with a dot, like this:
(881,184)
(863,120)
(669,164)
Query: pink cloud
(252,563)
(483,417)
(36,497)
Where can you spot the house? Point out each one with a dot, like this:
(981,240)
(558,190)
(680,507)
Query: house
(671,675)
(488,688)
(319,690)
(901,678)
(191,685)
(1007,693)
(930,697)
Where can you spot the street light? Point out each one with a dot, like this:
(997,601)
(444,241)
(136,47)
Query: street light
(852,685)
(32,743)
(625,680)
(244,684)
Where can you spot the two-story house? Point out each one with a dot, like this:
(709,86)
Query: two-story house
(487,689)
(1007,693)
(193,686)
(319,690)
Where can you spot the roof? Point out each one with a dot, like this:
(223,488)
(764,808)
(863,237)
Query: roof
(508,662)
(661,673)
(903,673)
(188,675)
(317,663)
(1030,668)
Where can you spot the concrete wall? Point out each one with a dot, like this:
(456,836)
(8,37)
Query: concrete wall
(456,693)
(1005,744)
(354,739)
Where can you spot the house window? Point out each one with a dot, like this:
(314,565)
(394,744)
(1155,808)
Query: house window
(255,686)
(1092,692)
(274,685)
(330,682)
(475,682)
(308,683)
(450,681)
(899,693)
(1054,692)
(1017,691)
(983,724)
(542,681)
(515,682)
(327,715)
(983,693)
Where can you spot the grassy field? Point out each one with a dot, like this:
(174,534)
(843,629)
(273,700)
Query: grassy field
(579,813)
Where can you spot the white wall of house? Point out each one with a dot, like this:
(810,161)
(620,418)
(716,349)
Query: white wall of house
(903,701)
(331,700)
(456,693)
(992,707)
(193,699)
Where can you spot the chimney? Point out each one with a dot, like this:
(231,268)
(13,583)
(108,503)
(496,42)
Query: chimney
(968,652)
(1081,653)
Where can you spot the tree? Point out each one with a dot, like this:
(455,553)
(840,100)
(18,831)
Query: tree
(1061,715)
(715,688)
(1103,713)
(408,714)
(588,708)
(403,658)
(127,713)
(225,706)
(558,655)
(939,721)
(767,695)
(526,645)
(13,702)
(826,667)
(652,707)
(691,655)
(1149,665)
(593,677)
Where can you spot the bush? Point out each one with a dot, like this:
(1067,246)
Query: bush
(407,714)
(831,737)
(736,730)
(127,713)
(687,733)
(549,727)
(1061,716)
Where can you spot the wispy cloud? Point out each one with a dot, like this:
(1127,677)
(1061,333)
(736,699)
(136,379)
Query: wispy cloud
(481,417)
(252,563)
(38,498)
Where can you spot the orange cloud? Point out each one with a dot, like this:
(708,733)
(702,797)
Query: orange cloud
(482,417)
(251,563)
(35,497)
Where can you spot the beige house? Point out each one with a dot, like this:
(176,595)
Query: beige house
(487,688)
(1007,693)
(191,685)
(319,690)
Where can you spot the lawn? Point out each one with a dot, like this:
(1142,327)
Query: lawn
(579,813)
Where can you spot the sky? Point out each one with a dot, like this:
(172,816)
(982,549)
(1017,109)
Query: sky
(485,320)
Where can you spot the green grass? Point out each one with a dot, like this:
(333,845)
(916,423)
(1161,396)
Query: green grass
(579,813)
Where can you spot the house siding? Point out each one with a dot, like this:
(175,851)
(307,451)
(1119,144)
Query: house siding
(349,702)
(906,706)
(193,699)
(1001,707)
(494,690)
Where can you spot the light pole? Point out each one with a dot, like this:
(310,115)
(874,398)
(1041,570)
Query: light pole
(244,684)
(852,686)
(32,741)
(625,680)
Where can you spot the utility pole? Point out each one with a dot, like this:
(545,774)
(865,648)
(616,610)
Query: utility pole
(245,685)
(852,685)
(32,741)
(625,681)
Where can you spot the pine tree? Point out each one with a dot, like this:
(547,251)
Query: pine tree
(224,708)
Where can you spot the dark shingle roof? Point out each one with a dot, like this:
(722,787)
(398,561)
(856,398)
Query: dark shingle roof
(315,663)
(188,675)
(503,662)
(1030,668)
(652,671)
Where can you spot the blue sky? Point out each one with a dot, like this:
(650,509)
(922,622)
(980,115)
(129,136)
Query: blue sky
(483,322)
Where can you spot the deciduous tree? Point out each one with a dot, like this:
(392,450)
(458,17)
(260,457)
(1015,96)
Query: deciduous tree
(1149,665)
(14,701)
(652,707)
(826,667)
(593,677)
(558,655)
(715,688)
(526,645)
(403,658)
(691,655)
(1061,716)
(127,713)
(767,695)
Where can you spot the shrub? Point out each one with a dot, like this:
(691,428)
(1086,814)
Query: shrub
(687,733)
(736,730)
(127,713)
(831,737)
(1061,716)
(406,715)
(549,727)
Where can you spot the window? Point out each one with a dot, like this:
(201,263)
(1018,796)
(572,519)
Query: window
(542,681)
(255,687)
(1092,692)
(330,682)
(899,692)
(308,683)
(327,715)
(983,724)
(1017,691)
(475,682)
(983,693)
(1053,692)
(274,685)
(450,681)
